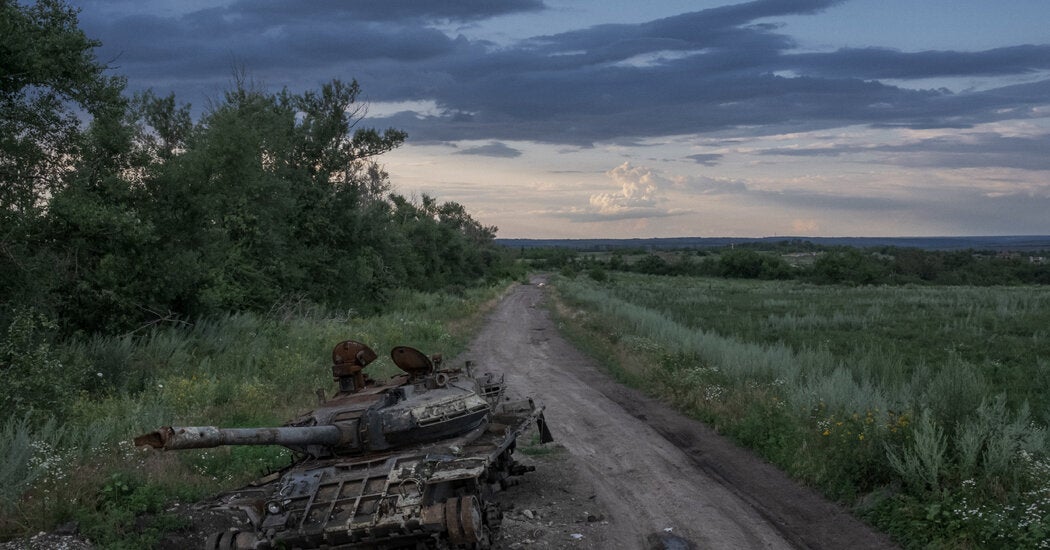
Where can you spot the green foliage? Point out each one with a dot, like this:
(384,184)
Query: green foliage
(552,258)
(848,266)
(49,79)
(49,72)
(128,512)
(29,451)
(652,264)
(922,464)
(30,372)
(598,274)
(838,265)
(748,264)
(236,463)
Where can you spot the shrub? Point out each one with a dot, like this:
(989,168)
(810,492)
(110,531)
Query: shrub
(30,373)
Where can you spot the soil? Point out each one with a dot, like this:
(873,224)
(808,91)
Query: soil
(626,472)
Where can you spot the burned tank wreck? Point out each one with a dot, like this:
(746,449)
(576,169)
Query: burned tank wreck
(411,462)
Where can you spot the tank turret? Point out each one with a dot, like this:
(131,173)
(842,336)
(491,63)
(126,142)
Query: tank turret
(423,404)
(421,452)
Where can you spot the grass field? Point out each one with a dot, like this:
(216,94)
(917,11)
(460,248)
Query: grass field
(925,408)
(76,462)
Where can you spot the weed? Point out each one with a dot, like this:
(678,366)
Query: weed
(128,513)
(536,448)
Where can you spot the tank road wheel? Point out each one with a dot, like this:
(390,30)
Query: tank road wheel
(470,519)
(452,525)
(230,539)
(223,540)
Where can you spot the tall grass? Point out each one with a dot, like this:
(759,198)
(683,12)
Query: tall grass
(235,370)
(916,404)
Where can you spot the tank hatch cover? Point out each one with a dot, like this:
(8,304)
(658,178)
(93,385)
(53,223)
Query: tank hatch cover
(352,352)
(412,361)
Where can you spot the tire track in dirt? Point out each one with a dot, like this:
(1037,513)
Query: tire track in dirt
(652,470)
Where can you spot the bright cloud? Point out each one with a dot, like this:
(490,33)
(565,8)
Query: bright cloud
(639,188)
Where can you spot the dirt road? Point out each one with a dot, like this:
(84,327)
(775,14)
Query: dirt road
(631,473)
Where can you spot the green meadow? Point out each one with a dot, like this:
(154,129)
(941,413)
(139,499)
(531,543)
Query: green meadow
(923,408)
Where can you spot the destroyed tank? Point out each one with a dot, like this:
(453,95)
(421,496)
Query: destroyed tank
(412,462)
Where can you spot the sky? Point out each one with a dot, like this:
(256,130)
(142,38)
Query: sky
(664,118)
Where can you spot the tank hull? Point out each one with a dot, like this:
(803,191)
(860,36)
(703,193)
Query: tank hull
(431,496)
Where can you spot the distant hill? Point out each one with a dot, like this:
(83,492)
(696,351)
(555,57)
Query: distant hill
(1018,243)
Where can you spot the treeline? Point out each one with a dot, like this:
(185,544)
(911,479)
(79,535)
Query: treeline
(143,215)
(811,263)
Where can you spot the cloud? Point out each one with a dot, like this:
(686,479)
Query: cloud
(724,69)
(706,159)
(389,10)
(706,185)
(889,63)
(576,87)
(494,149)
(959,150)
(824,201)
(587,215)
(638,197)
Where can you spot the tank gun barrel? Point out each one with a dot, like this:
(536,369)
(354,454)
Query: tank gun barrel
(201,437)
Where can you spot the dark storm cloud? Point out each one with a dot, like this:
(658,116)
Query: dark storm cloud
(887,63)
(494,149)
(972,150)
(389,10)
(361,10)
(713,70)
(724,69)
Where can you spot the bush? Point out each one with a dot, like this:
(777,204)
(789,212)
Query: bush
(32,376)
(849,266)
(748,264)
(598,274)
(28,453)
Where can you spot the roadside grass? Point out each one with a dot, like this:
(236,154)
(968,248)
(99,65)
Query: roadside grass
(77,463)
(534,447)
(925,408)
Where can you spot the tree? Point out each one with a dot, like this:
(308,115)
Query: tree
(49,79)
(849,266)
(748,264)
(115,212)
(271,195)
